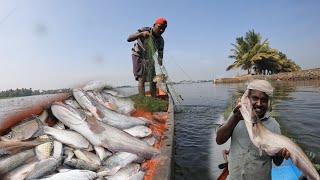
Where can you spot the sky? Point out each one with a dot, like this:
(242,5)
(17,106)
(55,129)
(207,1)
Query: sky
(52,44)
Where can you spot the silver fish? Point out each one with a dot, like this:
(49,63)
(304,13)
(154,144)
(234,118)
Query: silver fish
(68,151)
(81,164)
(138,176)
(124,105)
(72,102)
(125,173)
(73,175)
(28,128)
(139,131)
(261,136)
(106,115)
(118,120)
(101,152)
(97,85)
(20,172)
(113,92)
(69,137)
(160,78)
(100,134)
(57,145)
(87,156)
(85,102)
(13,161)
(97,96)
(43,151)
(12,147)
(119,160)
(45,167)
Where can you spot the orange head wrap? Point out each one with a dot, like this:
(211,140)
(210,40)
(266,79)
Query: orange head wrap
(161,20)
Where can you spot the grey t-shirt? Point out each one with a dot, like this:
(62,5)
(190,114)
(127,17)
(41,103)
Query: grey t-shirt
(139,48)
(244,159)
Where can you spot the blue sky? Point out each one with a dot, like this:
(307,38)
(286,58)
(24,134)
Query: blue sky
(50,44)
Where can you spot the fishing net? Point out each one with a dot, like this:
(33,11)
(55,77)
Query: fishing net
(150,46)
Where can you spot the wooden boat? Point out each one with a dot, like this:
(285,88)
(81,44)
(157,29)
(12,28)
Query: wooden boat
(13,117)
(159,168)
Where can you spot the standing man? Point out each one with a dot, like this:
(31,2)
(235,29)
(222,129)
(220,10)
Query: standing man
(149,40)
(244,161)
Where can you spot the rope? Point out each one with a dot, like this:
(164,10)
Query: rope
(176,94)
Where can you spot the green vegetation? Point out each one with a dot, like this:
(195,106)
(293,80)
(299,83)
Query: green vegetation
(29,92)
(251,53)
(150,50)
(149,103)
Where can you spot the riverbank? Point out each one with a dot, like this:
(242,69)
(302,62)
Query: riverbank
(291,76)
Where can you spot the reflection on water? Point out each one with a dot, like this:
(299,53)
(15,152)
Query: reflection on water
(197,155)
(299,116)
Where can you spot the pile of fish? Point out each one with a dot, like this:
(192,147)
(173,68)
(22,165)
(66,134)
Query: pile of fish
(95,137)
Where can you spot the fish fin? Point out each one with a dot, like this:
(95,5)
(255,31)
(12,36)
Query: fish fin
(94,125)
(111,106)
(148,122)
(40,130)
(100,113)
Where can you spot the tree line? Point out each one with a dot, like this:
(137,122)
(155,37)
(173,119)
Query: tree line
(29,92)
(256,56)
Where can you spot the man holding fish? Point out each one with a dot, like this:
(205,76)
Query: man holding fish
(246,161)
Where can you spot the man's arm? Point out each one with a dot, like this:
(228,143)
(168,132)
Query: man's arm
(225,131)
(278,158)
(138,35)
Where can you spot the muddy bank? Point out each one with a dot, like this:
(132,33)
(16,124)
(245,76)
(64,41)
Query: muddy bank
(292,76)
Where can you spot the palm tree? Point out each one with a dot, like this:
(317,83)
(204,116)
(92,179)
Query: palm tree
(240,49)
(247,51)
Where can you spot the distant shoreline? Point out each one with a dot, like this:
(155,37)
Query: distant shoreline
(290,76)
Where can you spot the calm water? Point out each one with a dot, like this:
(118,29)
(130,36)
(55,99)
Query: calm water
(196,155)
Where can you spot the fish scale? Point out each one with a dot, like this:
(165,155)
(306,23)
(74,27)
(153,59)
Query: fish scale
(13,161)
(43,151)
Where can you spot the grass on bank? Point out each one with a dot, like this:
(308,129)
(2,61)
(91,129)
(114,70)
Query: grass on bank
(149,103)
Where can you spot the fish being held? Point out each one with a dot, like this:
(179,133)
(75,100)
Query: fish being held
(160,78)
(261,137)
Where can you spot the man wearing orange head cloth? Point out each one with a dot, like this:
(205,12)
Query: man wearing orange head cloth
(148,41)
